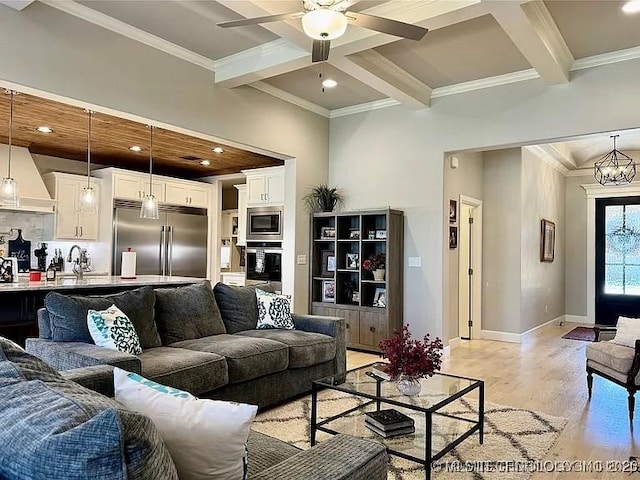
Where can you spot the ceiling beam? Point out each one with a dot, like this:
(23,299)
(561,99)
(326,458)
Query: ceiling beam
(236,70)
(532,29)
(380,73)
(17,4)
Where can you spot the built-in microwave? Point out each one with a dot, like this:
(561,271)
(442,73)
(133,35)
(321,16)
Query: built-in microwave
(264,224)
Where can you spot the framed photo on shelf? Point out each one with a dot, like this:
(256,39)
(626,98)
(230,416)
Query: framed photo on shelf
(354,234)
(380,298)
(453,238)
(353,261)
(328,263)
(328,291)
(547,240)
(381,234)
(355,297)
(371,234)
(328,232)
(453,212)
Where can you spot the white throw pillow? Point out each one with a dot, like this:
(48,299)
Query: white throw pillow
(206,438)
(112,329)
(274,310)
(627,331)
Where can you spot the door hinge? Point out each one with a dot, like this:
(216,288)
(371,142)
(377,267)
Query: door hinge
(470,219)
(470,323)
(471,271)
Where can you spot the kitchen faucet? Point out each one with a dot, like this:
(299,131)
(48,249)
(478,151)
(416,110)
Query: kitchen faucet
(81,263)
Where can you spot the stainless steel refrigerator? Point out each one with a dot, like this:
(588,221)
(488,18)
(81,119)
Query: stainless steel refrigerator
(175,244)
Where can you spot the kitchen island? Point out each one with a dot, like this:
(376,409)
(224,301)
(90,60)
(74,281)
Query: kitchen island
(19,301)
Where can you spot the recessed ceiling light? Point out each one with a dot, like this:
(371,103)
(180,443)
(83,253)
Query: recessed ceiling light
(135,148)
(44,129)
(632,6)
(329,83)
(218,149)
(206,163)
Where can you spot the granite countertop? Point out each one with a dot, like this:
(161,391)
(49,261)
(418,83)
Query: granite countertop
(70,283)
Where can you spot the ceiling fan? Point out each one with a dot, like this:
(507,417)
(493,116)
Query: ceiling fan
(326,20)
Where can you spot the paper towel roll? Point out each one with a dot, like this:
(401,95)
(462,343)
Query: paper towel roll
(128,264)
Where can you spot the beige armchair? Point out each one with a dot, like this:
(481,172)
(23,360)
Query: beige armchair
(616,363)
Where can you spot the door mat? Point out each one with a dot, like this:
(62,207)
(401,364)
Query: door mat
(511,435)
(586,334)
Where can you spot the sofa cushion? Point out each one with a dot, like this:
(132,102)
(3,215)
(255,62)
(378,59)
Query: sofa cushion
(274,311)
(305,348)
(611,355)
(68,314)
(188,312)
(147,457)
(190,370)
(46,435)
(247,358)
(111,328)
(238,306)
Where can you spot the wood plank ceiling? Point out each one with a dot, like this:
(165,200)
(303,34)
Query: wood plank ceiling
(112,138)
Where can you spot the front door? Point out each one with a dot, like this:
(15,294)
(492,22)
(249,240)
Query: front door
(617,259)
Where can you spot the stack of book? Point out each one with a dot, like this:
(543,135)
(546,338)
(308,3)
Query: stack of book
(389,423)
(380,370)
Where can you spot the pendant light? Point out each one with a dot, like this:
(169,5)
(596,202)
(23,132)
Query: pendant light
(615,168)
(149,208)
(88,198)
(8,186)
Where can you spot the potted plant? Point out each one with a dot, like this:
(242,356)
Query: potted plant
(376,265)
(410,360)
(323,199)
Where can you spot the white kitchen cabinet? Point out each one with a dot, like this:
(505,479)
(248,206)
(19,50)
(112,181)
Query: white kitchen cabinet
(134,186)
(242,215)
(265,186)
(70,223)
(186,194)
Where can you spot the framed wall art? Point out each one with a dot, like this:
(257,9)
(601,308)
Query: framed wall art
(453,237)
(328,291)
(547,240)
(328,263)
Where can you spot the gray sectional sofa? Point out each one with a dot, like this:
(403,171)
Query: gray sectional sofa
(198,339)
(53,428)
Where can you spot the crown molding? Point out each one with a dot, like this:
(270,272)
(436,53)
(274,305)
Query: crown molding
(17,4)
(288,97)
(363,107)
(606,58)
(488,82)
(580,172)
(543,155)
(105,21)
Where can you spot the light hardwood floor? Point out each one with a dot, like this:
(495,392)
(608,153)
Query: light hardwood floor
(547,373)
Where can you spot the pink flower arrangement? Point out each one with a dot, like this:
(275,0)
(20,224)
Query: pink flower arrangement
(414,358)
(374,262)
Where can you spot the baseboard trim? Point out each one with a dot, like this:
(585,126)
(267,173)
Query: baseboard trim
(561,318)
(501,336)
(446,351)
(576,319)
(455,342)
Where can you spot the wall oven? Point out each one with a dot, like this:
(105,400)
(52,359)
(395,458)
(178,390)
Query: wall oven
(264,224)
(264,263)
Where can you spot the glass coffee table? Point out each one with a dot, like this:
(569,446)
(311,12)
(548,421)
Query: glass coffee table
(447,411)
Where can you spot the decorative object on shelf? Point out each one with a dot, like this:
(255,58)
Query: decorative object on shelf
(353,261)
(453,238)
(41,255)
(6,270)
(380,298)
(376,265)
(328,232)
(614,168)
(354,234)
(328,263)
(355,297)
(381,234)
(348,287)
(547,240)
(453,212)
(328,291)
(410,360)
(149,209)
(88,198)
(8,186)
(323,199)
(371,234)
(21,249)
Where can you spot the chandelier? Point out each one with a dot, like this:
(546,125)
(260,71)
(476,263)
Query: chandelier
(615,168)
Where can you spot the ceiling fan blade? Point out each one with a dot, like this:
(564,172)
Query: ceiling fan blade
(320,51)
(257,20)
(386,25)
(342,5)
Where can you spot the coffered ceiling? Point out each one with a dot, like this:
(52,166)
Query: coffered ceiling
(471,45)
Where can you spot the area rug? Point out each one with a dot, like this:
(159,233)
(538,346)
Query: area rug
(511,435)
(586,334)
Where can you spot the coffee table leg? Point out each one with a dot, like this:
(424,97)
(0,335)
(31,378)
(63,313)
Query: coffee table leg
(314,412)
(378,393)
(427,446)
(481,412)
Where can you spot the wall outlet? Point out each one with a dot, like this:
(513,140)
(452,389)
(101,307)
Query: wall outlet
(301,260)
(415,261)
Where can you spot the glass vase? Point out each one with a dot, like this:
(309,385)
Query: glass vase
(408,385)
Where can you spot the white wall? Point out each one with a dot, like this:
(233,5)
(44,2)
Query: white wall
(464,180)
(542,287)
(394,156)
(501,240)
(45,49)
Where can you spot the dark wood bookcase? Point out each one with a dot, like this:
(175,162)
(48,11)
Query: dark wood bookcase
(340,286)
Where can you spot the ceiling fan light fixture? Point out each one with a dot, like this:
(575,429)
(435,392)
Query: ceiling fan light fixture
(632,6)
(324,24)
